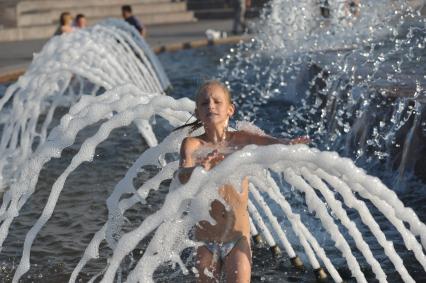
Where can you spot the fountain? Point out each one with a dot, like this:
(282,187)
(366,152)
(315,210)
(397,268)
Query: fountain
(119,83)
(356,84)
(86,62)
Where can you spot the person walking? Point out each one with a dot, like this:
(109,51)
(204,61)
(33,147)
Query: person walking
(128,16)
(240,7)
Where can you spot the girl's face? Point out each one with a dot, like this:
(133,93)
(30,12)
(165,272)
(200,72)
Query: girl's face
(213,106)
(68,20)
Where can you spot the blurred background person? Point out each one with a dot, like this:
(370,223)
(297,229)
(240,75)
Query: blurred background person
(65,24)
(240,7)
(353,7)
(80,21)
(126,11)
(325,8)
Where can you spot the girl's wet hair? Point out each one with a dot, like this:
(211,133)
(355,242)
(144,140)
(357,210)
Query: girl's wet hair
(64,18)
(206,85)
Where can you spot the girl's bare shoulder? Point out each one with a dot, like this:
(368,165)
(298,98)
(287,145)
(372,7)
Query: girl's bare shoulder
(192,143)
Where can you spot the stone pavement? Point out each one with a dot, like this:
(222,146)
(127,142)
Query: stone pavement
(16,56)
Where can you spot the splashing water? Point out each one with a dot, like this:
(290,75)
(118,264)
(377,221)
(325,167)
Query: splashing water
(185,205)
(340,195)
(88,62)
(353,82)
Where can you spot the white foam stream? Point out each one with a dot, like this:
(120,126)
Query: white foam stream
(277,228)
(122,118)
(89,61)
(340,213)
(280,159)
(307,240)
(258,220)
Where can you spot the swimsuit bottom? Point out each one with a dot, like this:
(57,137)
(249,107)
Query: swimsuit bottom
(221,250)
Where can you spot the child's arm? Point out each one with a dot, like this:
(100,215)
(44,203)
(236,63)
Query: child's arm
(251,138)
(186,165)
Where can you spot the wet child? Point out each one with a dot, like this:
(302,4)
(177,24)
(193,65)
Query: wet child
(227,243)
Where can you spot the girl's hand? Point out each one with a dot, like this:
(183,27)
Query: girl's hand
(303,140)
(212,159)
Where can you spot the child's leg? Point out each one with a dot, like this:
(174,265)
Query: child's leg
(238,263)
(208,269)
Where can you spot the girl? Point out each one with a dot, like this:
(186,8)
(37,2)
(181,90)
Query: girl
(65,24)
(226,244)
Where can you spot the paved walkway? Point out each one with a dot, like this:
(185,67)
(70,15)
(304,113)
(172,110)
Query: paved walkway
(18,55)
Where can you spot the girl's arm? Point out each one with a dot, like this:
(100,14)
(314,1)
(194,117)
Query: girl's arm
(186,165)
(251,138)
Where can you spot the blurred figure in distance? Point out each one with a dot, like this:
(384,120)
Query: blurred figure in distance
(325,8)
(353,7)
(80,21)
(65,24)
(240,7)
(126,11)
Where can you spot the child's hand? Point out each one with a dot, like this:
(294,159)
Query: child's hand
(212,159)
(303,140)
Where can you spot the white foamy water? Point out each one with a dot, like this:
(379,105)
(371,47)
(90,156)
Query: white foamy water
(185,205)
(354,82)
(86,62)
(300,26)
